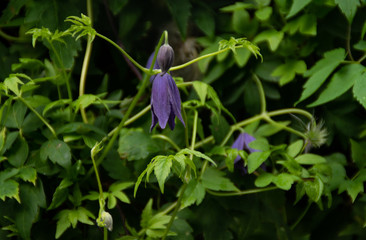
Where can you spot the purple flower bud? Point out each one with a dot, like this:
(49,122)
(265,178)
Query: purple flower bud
(165,57)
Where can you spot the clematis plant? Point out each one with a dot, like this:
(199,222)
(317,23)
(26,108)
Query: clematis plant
(165,97)
(242,143)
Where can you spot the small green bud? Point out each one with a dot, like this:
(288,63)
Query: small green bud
(105,220)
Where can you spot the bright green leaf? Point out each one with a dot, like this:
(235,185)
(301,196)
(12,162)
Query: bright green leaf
(294,148)
(263,14)
(264,179)
(288,70)
(28,174)
(284,181)
(197,154)
(314,189)
(194,193)
(272,36)
(310,159)
(9,188)
(256,159)
(162,170)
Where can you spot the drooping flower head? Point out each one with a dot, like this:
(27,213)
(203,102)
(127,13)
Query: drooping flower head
(165,97)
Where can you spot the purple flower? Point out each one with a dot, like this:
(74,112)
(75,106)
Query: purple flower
(165,98)
(165,102)
(242,142)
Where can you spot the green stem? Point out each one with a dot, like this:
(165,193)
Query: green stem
(145,81)
(145,70)
(86,61)
(274,123)
(198,59)
(11,38)
(349,42)
(176,209)
(186,134)
(240,193)
(62,68)
(361,58)
(105,235)
(290,111)
(97,177)
(262,96)
(293,226)
(167,139)
(168,209)
(194,130)
(39,116)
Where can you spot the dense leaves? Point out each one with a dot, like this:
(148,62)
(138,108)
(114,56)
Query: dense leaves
(77,154)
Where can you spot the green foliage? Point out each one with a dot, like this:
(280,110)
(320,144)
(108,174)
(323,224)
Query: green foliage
(67,95)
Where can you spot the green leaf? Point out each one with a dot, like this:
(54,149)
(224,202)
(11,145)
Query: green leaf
(9,188)
(16,116)
(348,8)
(272,36)
(18,153)
(310,159)
(284,181)
(197,154)
(314,189)
(181,11)
(353,187)
(213,179)
(263,14)
(63,222)
(194,193)
(341,81)
(204,18)
(51,105)
(61,193)
(256,159)
(359,89)
(321,71)
(32,197)
(267,130)
(135,144)
(57,151)
(28,174)
(288,70)
(305,24)
(297,6)
(294,148)
(12,83)
(264,179)
(162,170)
(147,214)
(201,89)
(358,154)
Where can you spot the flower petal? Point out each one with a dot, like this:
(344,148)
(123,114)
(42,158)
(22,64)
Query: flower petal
(248,139)
(175,98)
(160,102)
(239,144)
(156,66)
(154,119)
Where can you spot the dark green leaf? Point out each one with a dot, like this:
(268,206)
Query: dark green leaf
(28,174)
(340,83)
(195,193)
(57,151)
(214,180)
(297,6)
(9,188)
(18,153)
(348,7)
(288,70)
(61,193)
(359,90)
(16,116)
(321,71)
(134,144)
(204,19)
(272,36)
(314,189)
(358,154)
(181,11)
